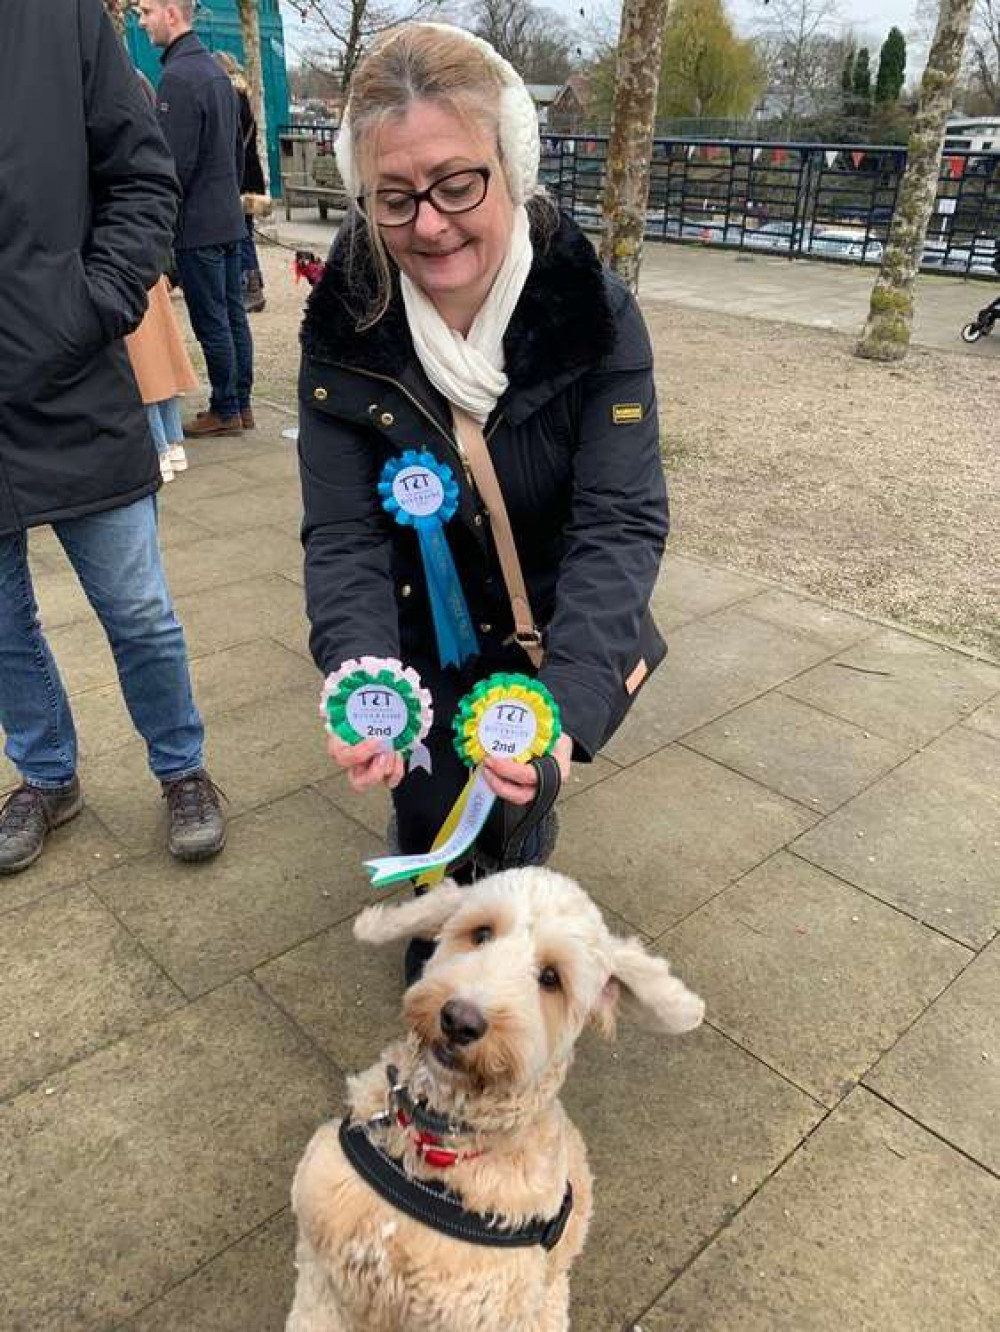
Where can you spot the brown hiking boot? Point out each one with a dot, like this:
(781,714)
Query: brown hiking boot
(208,424)
(28,816)
(246,416)
(197,828)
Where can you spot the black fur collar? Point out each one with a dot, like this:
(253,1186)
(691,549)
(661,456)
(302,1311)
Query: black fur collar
(563,320)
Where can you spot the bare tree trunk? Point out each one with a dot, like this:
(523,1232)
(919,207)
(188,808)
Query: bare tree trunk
(637,80)
(886,335)
(117,11)
(250,28)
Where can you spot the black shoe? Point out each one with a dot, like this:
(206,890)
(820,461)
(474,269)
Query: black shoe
(197,828)
(27,818)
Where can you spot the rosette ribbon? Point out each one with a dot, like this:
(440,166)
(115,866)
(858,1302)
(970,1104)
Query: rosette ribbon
(508,715)
(421,492)
(377,697)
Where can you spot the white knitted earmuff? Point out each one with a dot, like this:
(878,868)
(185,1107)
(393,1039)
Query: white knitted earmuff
(519,145)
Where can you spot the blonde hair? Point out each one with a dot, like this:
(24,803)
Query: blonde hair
(236,72)
(415,62)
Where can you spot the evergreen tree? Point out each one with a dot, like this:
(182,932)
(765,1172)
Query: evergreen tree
(847,79)
(891,68)
(862,85)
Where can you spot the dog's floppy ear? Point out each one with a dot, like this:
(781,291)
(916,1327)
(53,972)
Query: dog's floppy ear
(644,982)
(421,916)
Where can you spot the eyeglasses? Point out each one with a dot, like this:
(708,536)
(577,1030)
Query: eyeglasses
(458,192)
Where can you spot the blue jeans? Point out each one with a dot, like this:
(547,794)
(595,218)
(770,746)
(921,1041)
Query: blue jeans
(213,288)
(116,556)
(165,424)
(248,250)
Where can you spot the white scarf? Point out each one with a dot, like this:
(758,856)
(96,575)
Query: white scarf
(469,371)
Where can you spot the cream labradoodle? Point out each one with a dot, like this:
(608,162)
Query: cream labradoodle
(523,963)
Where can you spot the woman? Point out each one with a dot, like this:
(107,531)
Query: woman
(456,284)
(163,372)
(252,185)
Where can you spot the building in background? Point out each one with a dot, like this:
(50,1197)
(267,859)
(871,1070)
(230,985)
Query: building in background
(218,26)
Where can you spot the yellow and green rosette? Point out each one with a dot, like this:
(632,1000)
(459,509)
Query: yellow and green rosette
(506,716)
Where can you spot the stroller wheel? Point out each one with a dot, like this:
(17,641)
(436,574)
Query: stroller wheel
(972,332)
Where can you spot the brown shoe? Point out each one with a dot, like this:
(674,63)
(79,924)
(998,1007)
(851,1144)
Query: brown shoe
(246,416)
(207,423)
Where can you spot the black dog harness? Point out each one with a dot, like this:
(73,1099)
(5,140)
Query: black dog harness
(436,1206)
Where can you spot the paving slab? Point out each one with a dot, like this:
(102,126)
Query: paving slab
(278,504)
(809,974)
(71,980)
(289,869)
(945,1071)
(60,598)
(346,996)
(202,480)
(256,752)
(874,1224)
(230,559)
(77,852)
(903,688)
(798,751)
(676,829)
(243,674)
(680,1132)
(83,656)
(836,628)
(150,1158)
(926,838)
(268,607)
(714,665)
(248,1288)
(688,590)
(986,718)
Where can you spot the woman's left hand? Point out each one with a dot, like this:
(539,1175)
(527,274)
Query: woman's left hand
(518,782)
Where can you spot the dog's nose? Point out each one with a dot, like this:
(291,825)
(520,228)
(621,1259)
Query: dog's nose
(462,1023)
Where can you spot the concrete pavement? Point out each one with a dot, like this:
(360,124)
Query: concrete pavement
(803,813)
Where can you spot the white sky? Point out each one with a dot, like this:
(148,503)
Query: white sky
(869,19)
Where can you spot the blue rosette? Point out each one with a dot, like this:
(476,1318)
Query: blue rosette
(419,491)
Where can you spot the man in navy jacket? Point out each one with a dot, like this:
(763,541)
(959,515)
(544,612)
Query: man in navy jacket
(199,115)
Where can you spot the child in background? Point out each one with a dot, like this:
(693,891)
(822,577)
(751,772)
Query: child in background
(163,371)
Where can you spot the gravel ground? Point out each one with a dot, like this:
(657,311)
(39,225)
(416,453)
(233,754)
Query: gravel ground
(874,488)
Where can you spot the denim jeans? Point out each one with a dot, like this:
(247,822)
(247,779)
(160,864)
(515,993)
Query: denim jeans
(165,424)
(213,288)
(248,250)
(116,556)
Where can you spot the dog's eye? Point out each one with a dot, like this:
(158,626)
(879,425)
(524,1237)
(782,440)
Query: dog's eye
(548,979)
(481,934)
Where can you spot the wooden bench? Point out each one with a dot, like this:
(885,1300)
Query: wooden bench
(322,195)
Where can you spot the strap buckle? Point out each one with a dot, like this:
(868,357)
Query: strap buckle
(528,638)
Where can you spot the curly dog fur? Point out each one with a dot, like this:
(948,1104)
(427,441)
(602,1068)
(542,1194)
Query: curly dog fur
(525,961)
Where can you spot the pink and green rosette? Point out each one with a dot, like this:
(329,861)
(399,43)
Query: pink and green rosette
(378,698)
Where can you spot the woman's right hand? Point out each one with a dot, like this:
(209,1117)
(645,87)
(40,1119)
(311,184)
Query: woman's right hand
(367,764)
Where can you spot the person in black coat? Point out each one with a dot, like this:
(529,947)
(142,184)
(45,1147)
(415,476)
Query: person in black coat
(252,186)
(199,115)
(87,210)
(456,284)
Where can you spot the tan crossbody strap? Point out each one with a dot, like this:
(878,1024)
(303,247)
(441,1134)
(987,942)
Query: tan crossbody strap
(473,442)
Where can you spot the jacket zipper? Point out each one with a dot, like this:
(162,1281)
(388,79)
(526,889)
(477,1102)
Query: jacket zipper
(453,442)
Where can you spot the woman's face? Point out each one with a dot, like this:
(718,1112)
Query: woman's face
(454,257)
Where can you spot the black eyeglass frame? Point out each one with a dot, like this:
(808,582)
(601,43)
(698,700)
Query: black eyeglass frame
(427,196)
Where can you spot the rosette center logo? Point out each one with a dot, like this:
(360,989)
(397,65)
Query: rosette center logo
(507,728)
(418,491)
(377,711)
